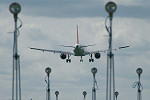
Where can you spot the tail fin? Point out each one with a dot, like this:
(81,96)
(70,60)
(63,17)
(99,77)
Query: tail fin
(77,36)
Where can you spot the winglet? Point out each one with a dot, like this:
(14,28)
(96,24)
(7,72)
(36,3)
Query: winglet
(124,47)
(77,36)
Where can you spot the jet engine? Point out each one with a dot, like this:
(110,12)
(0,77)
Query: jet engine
(63,56)
(97,55)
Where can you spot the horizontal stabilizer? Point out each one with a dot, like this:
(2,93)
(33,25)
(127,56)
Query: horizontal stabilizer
(89,45)
(67,46)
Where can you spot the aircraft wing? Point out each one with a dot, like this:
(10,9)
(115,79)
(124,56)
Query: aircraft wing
(93,52)
(98,51)
(55,51)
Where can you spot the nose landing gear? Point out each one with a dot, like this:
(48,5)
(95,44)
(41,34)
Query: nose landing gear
(81,60)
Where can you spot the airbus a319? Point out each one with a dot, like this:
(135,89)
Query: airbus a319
(78,50)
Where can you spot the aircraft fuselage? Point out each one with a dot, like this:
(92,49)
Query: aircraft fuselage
(79,50)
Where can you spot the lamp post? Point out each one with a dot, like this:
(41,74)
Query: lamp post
(56,93)
(48,71)
(110,7)
(138,84)
(94,71)
(84,94)
(116,94)
(15,9)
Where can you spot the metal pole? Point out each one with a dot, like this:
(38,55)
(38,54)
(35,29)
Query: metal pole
(94,89)
(56,93)
(84,94)
(48,71)
(110,7)
(94,71)
(15,9)
(48,88)
(56,97)
(13,81)
(16,65)
(138,84)
(116,94)
(84,97)
(14,60)
(19,78)
(139,91)
(110,88)
(15,54)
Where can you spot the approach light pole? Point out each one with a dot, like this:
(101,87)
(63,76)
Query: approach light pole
(94,71)
(138,84)
(84,94)
(116,94)
(15,9)
(48,71)
(110,7)
(56,93)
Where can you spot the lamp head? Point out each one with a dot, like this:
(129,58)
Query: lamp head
(110,7)
(56,93)
(116,93)
(84,93)
(139,71)
(15,8)
(94,70)
(48,70)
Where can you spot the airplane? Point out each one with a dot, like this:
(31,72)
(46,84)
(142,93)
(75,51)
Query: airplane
(78,50)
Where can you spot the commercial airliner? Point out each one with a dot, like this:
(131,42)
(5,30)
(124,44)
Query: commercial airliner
(78,50)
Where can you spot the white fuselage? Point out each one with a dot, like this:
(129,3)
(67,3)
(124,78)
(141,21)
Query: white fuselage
(79,50)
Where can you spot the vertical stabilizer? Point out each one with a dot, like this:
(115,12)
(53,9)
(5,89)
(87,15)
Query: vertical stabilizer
(77,36)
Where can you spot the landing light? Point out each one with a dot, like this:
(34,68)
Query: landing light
(15,8)
(110,7)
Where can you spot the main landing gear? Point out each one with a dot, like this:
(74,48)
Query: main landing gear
(68,60)
(81,60)
(91,59)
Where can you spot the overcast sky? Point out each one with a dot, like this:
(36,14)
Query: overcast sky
(49,23)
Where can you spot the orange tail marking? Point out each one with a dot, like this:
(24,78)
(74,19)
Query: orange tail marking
(77,36)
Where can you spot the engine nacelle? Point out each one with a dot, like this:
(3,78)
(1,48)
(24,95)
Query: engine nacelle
(63,56)
(97,55)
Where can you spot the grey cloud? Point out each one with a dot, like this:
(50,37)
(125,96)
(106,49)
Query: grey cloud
(66,9)
(33,63)
(78,8)
(133,11)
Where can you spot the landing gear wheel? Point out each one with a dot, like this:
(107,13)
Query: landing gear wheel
(91,60)
(81,60)
(68,60)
